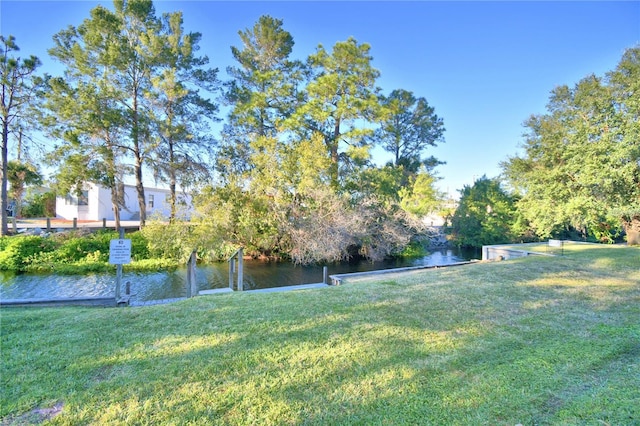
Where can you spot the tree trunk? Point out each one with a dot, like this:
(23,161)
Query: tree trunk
(4,228)
(135,135)
(172,183)
(632,229)
(140,189)
(115,204)
(333,149)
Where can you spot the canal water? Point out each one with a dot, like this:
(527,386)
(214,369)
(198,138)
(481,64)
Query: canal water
(165,285)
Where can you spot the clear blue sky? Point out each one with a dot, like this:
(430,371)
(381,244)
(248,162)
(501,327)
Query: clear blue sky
(484,66)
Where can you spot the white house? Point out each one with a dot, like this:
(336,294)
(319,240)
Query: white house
(95,204)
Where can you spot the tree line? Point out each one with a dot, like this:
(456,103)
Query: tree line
(292,169)
(291,173)
(578,176)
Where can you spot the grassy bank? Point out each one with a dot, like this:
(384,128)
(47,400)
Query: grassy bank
(531,341)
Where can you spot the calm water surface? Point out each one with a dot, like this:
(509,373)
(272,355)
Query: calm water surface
(165,285)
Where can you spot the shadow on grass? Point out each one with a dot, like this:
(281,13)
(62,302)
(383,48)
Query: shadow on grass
(509,342)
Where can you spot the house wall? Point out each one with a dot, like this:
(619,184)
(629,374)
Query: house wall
(99,204)
(65,211)
(69,210)
(102,206)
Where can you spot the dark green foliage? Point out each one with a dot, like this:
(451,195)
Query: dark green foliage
(486,215)
(581,164)
(408,126)
(78,248)
(19,252)
(139,246)
(66,253)
(40,205)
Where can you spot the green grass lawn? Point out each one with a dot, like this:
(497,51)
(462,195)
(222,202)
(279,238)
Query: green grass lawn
(539,340)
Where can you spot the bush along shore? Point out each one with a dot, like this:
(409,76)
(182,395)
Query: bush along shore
(156,247)
(76,252)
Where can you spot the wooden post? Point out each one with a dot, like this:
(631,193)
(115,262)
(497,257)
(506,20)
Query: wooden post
(240,272)
(232,266)
(118,281)
(192,289)
(104,223)
(75,223)
(48,224)
(325,275)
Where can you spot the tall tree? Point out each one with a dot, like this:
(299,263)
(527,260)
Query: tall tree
(256,156)
(18,88)
(262,93)
(340,99)
(133,68)
(581,162)
(408,126)
(118,52)
(264,86)
(85,109)
(181,114)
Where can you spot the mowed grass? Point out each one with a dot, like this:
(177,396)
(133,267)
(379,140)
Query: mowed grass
(538,340)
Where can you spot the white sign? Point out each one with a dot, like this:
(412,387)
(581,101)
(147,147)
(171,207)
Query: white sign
(120,252)
(555,243)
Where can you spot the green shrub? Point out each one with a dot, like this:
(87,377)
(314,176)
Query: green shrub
(168,241)
(40,205)
(4,242)
(414,249)
(153,265)
(139,246)
(20,251)
(78,248)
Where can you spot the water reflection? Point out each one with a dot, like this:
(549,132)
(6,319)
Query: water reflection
(164,285)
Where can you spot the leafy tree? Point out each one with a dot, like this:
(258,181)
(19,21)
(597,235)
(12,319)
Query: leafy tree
(485,215)
(133,60)
(82,113)
(262,94)
(116,53)
(421,197)
(19,175)
(339,99)
(129,96)
(581,162)
(18,88)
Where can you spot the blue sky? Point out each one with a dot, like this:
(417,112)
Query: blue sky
(484,66)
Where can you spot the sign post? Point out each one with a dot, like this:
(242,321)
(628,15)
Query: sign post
(557,243)
(119,254)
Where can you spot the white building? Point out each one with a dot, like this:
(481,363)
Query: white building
(95,204)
